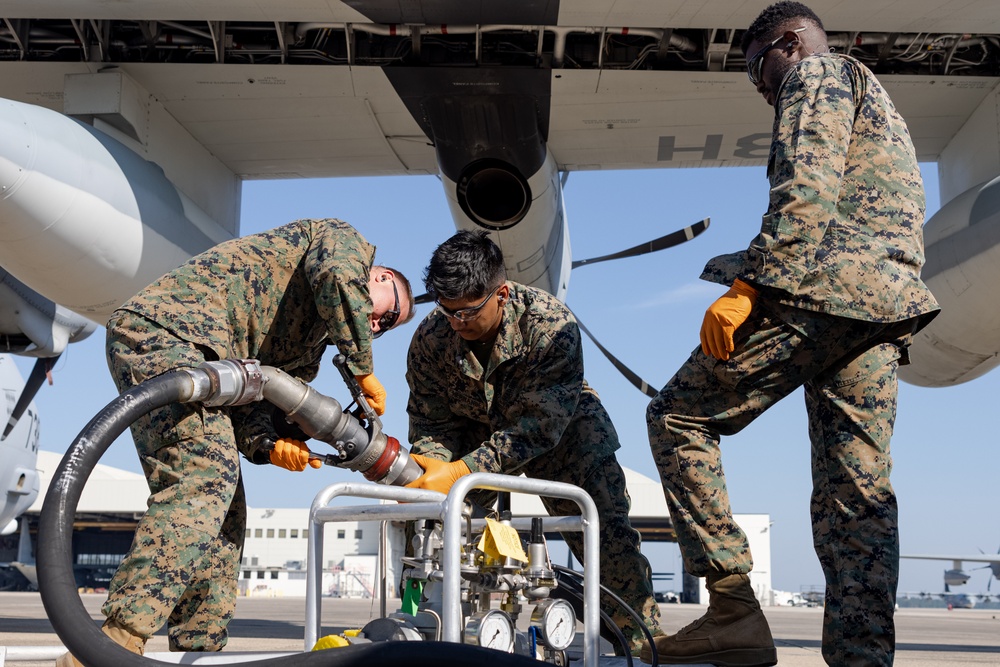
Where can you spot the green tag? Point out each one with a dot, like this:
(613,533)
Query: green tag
(412,595)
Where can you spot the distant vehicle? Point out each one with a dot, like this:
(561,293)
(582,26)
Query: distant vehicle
(667,596)
(960,601)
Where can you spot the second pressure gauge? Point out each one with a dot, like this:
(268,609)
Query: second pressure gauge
(491,629)
(555,621)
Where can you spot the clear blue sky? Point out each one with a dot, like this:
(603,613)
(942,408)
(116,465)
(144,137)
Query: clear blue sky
(648,311)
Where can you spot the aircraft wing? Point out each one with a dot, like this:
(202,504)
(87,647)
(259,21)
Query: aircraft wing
(270,121)
(957,576)
(656,97)
(495,98)
(979,558)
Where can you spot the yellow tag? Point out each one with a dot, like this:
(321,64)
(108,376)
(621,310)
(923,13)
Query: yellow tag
(501,540)
(487,545)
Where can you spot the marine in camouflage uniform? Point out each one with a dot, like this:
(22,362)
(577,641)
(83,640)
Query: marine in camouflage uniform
(280,297)
(835,269)
(525,407)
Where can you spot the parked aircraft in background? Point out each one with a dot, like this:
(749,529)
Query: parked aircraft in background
(33,326)
(957,576)
(18,451)
(950,599)
(19,482)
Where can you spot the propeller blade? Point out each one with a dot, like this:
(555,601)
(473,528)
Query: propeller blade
(629,374)
(38,373)
(423,298)
(668,241)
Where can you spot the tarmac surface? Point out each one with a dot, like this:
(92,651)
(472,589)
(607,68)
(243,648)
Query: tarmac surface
(924,637)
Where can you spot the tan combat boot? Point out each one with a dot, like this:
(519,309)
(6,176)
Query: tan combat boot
(118,633)
(732,633)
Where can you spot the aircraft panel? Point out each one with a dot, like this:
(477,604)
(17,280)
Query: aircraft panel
(301,148)
(371,84)
(199,111)
(183,10)
(415,153)
(180,82)
(37,83)
(312,153)
(634,149)
(657,119)
(685,85)
(212,184)
(977,16)
(220,106)
(600,119)
(283,121)
(457,12)
(346,119)
(896,16)
(935,109)
(621,118)
(974,156)
(43,84)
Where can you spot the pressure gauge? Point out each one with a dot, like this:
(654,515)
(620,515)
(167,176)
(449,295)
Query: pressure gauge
(491,629)
(555,622)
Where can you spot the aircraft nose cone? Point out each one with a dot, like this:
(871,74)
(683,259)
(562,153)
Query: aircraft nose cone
(16,147)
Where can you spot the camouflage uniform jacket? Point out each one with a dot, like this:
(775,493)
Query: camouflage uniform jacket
(843,230)
(529,410)
(280,296)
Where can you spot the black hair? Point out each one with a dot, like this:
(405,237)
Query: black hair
(467,266)
(766,26)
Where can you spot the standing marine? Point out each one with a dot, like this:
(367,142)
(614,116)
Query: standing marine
(827,297)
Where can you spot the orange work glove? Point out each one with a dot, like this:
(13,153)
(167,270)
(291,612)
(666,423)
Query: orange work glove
(724,317)
(374,392)
(292,455)
(439,475)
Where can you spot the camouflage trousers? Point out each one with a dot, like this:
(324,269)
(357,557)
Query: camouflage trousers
(183,565)
(848,370)
(625,572)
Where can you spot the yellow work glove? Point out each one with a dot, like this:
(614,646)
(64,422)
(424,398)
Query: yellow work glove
(292,455)
(438,475)
(724,317)
(374,392)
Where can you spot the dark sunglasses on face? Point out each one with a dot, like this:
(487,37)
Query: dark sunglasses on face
(466,314)
(756,62)
(389,317)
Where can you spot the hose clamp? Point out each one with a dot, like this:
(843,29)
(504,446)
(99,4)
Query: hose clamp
(233,382)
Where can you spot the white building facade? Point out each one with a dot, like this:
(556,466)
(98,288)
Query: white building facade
(275,551)
(275,555)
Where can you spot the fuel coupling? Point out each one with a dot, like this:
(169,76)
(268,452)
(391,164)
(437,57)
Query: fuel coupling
(359,442)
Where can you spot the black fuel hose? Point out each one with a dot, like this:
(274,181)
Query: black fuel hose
(93,648)
(573,580)
(572,591)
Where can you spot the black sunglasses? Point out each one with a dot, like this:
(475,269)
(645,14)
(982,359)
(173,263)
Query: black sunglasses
(389,317)
(467,314)
(756,63)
